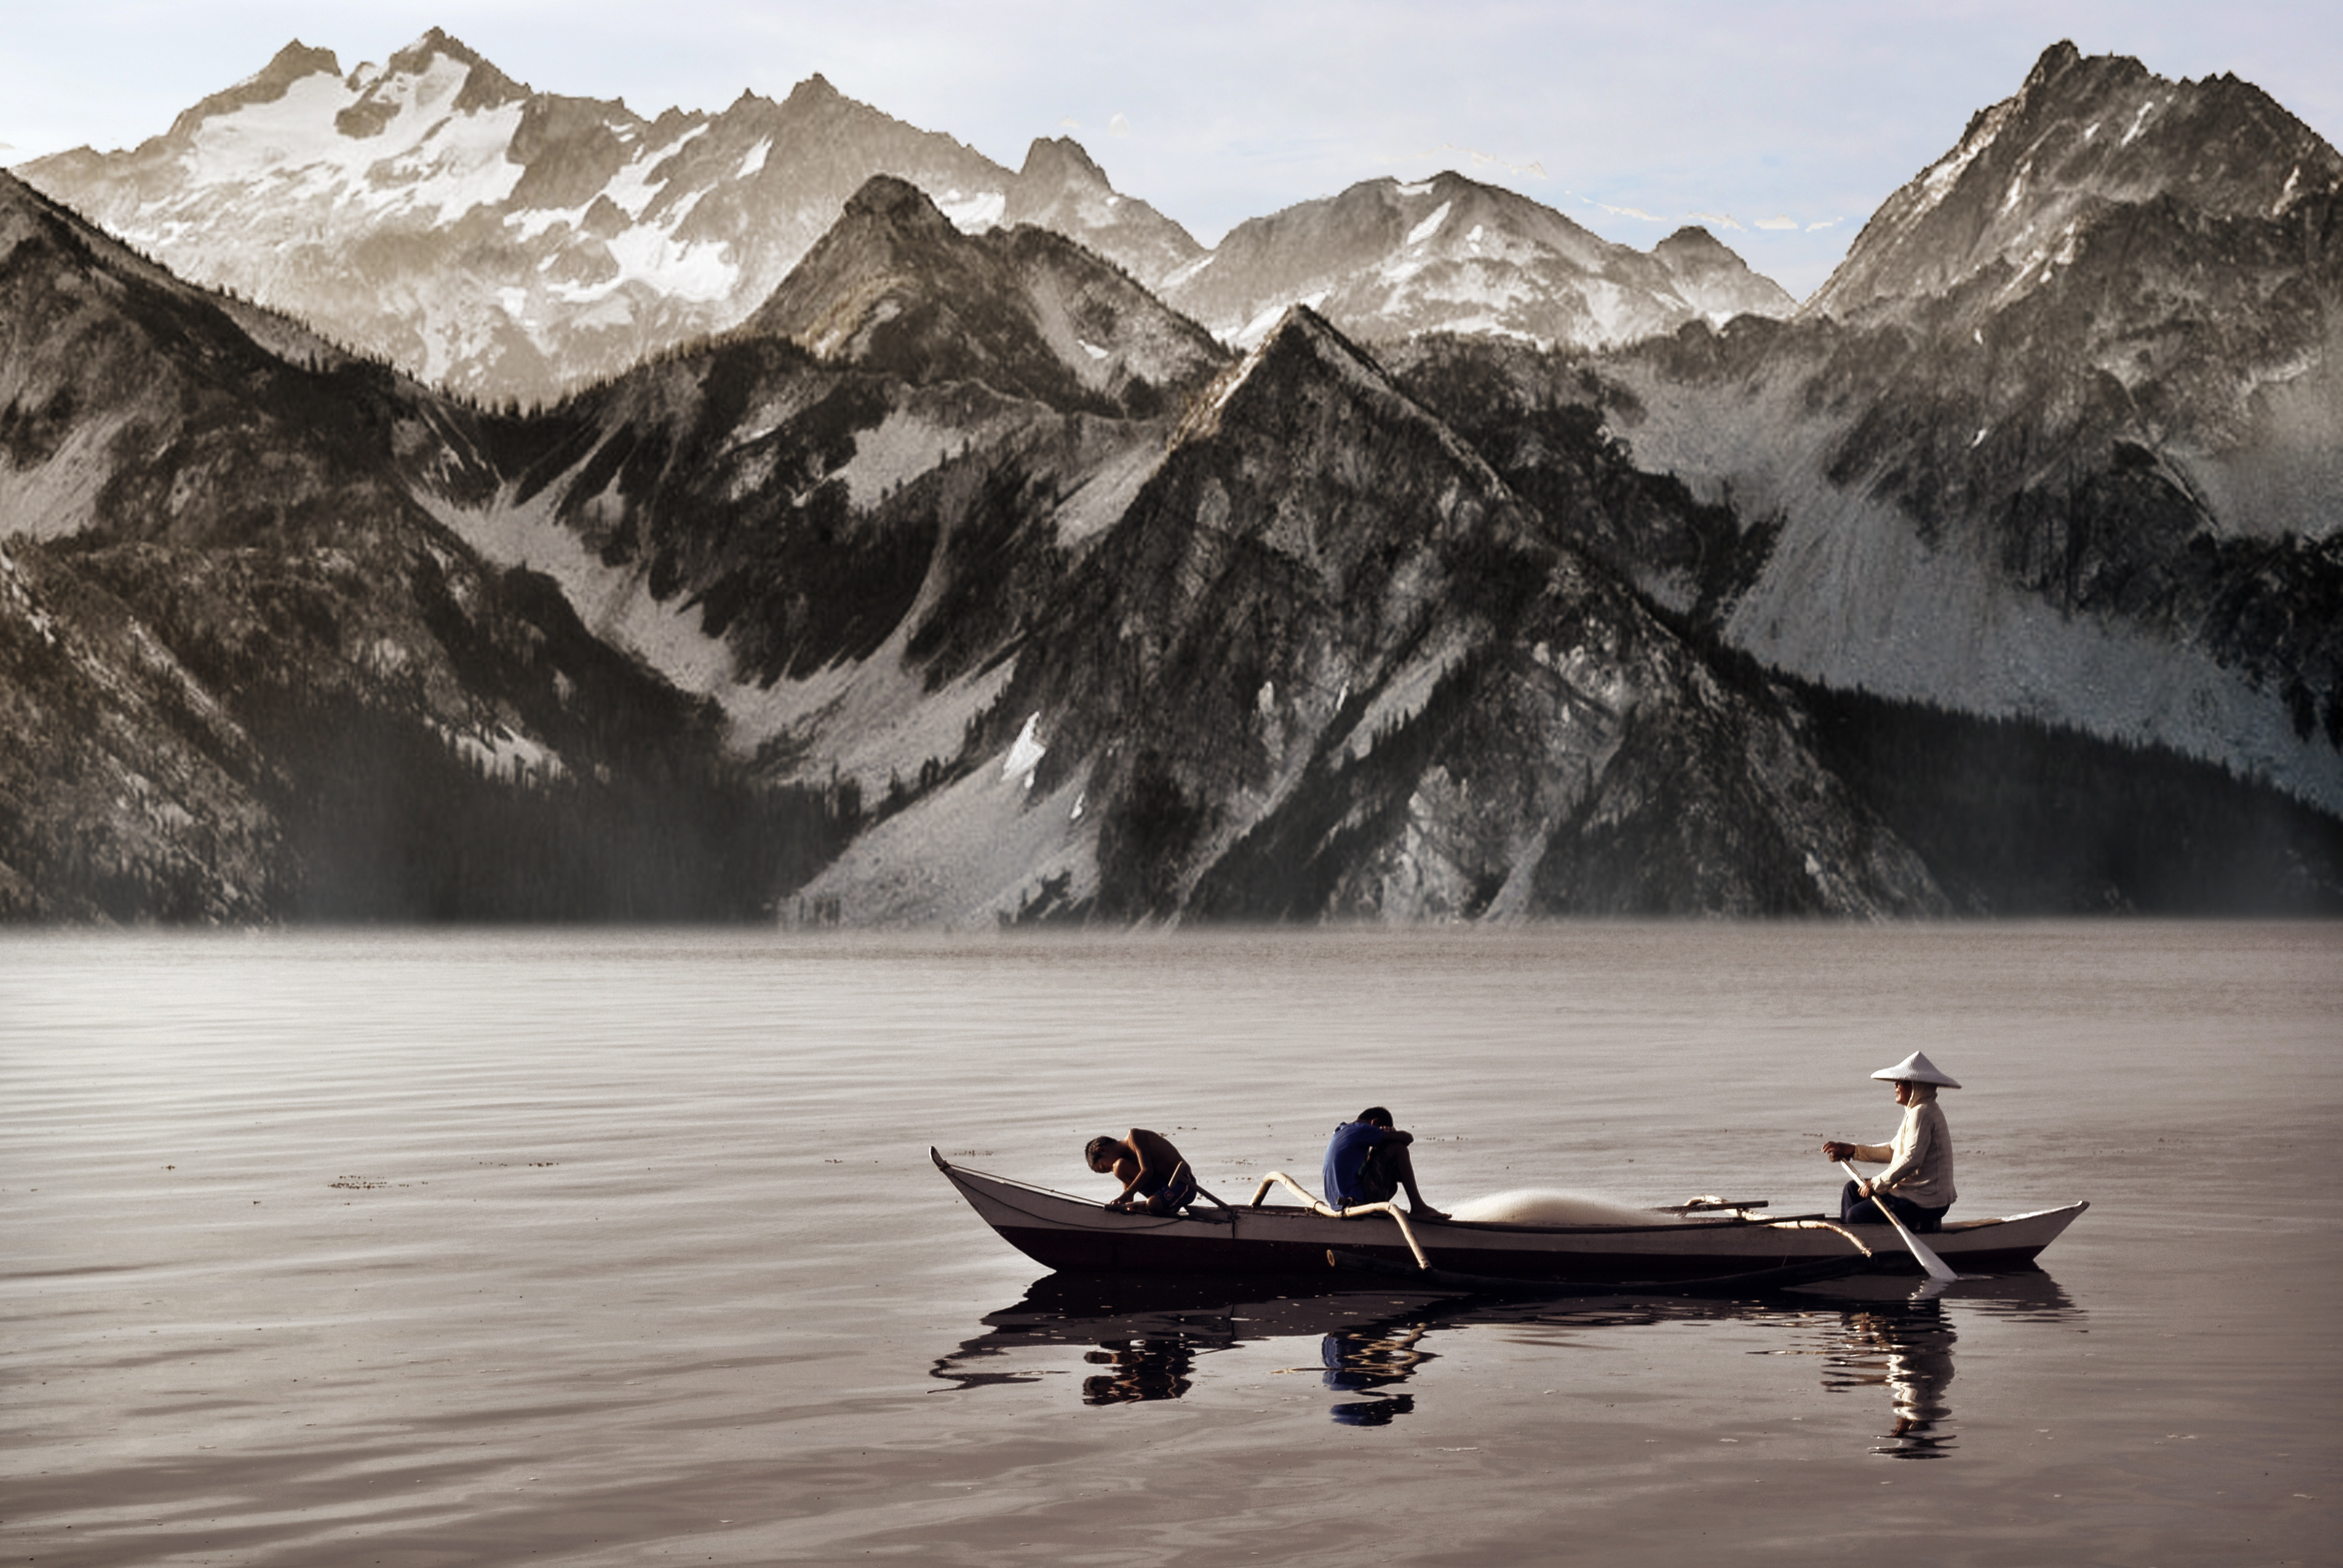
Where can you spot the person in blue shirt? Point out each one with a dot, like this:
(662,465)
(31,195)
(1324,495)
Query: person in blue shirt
(1367,1161)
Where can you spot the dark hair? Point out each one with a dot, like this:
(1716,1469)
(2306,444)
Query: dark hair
(1098,1146)
(1376,1114)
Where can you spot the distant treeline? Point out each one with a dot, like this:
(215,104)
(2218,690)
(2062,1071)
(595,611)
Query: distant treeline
(387,822)
(2014,818)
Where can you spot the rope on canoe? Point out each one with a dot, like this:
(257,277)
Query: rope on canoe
(1356,1211)
(1831,1225)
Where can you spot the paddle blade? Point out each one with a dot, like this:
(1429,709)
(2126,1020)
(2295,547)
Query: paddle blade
(1926,1258)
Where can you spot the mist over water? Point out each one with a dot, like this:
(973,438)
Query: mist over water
(462,1247)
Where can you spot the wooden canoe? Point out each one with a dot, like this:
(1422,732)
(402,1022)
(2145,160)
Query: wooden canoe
(1059,1230)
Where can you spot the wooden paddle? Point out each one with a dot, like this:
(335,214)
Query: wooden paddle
(1928,1259)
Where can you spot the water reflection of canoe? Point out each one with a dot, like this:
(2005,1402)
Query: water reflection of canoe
(1151,1336)
(1063,1231)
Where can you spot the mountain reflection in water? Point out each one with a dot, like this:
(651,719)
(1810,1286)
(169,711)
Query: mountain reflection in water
(1149,1336)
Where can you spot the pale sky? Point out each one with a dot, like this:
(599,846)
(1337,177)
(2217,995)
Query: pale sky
(1791,119)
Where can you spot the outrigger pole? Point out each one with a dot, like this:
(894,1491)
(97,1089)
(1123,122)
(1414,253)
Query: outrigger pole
(1356,1212)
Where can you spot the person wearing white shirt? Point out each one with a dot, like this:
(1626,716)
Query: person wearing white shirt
(1919,1182)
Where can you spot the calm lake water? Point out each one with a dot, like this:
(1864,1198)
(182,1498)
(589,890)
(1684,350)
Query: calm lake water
(621,1248)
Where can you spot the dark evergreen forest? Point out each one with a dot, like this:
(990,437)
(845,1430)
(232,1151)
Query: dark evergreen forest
(2017,819)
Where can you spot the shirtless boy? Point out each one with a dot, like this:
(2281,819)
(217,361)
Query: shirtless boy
(1153,1176)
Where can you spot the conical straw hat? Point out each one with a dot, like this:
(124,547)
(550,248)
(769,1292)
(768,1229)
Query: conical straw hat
(1918,1069)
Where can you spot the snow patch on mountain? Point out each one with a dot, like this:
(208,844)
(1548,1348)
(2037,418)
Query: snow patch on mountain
(1430,226)
(1403,695)
(872,721)
(1181,275)
(458,165)
(1025,755)
(973,214)
(1253,333)
(276,139)
(641,182)
(1857,599)
(428,159)
(1852,595)
(966,857)
(502,753)
(1938,179)
(701,271)
(626,236)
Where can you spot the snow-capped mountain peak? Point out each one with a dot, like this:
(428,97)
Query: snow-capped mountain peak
(515,244)
(2082,134)
(1387,259)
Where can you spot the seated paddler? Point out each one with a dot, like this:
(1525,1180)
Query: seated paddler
(1153,1176)
(1367,1161)
(1919,1182)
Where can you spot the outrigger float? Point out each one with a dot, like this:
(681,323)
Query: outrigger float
(1706,1243)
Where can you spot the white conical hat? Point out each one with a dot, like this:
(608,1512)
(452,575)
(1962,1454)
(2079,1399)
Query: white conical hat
(1918,1069)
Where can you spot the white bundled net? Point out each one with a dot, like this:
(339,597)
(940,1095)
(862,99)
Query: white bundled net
(1545,1206)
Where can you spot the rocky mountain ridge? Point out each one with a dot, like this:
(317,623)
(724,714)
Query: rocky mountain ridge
(360,644)
(2081,137)
(1387,260)
(2062,440)
(1328,666)
(896,287)
(247,673)
(511,245)
(963,580)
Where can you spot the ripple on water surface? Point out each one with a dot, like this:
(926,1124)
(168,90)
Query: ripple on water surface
(471,1247)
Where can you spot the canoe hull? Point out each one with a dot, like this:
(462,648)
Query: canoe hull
(1074,1234)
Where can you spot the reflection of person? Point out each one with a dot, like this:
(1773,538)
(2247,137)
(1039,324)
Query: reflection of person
(1153,1176)
(1143,1369)
(1919,1182)
(1910,1350)
(1367,1161)
(1367,1360)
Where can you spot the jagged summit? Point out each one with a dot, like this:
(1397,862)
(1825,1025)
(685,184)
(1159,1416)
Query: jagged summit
(1692,240)
(896,287)
(285,67)
(1062,187)
(1711,277)
(898,203)
(812,92)
(485,86)
(2083,134)
(2066,423)
(891,249)
(1262,382)
(435,42)
(291,64)
(1061,160)
(519,244)
(1329,665)
(1388,260)
(1325,403)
